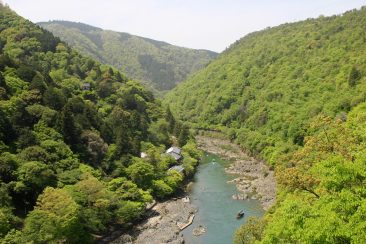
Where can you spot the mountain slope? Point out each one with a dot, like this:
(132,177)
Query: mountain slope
(71,134)
(160,64)
(295,96)
(269,84)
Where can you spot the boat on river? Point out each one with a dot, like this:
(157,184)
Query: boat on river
(240,214)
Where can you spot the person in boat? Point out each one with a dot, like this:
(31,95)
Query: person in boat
(240,214)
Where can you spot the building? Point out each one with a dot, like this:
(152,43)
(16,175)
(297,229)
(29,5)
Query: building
(143,155)
(175,152)
(86,86)
(178,168)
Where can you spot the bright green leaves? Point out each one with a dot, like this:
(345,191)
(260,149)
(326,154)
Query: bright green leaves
(70,133)
(250,232)
(54,219)
(331,219)
(34,176)
(141,172)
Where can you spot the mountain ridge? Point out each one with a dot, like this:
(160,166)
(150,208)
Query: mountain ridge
(160,64)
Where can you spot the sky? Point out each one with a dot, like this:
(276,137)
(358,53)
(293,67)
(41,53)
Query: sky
(200,24)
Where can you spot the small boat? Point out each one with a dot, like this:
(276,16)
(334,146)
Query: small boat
(240,214)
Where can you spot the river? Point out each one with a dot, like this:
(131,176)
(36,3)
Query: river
(212,195)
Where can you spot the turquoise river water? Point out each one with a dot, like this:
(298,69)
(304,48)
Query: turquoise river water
(212,195)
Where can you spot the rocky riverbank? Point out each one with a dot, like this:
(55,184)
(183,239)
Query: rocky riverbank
(166,219)
(255,179)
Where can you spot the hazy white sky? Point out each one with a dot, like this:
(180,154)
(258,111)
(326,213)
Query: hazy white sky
(204,24)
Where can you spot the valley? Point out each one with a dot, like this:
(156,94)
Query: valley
(109,137)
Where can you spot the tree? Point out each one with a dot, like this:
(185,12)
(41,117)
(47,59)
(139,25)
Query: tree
(127,190)
(191,148)
(250,232)
(94,147)
(128,211)
(54,219)
(54,98)
(6,220)
(173,179)
(39,84)
(33,177)
(96,202)
(159,132)
(141,173)
(7,133)
(2,81)
(183,135)
(70,129)
(354,76)
(26,73)
(170,118)
(161,189)
(34,153)
(8,166)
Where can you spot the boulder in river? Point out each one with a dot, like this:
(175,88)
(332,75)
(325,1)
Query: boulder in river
(200,230)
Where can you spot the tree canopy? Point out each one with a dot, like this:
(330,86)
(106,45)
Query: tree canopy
(71,134)
(294,95)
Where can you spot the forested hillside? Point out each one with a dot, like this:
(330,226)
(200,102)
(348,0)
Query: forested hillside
(71,134)
(285,94)
(158,63)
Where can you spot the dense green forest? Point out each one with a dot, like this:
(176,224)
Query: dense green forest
(158,63)
(71,134)
(294,95)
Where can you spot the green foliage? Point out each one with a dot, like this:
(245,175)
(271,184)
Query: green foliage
(294,95)
(321,185)
(6,218)
(250,232)
(161,189)
(268,86)
(141,172)
(55,219)
(127,190)
(159,132)
(129,211)
(33,177)
(173,179)
(354,76)
(96,202)
(161,65)
(74,150)
(191,149)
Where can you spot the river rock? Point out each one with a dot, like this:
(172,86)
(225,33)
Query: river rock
(162,226)
(240,196)
(200,230)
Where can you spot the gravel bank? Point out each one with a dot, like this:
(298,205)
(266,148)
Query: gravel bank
(163,225)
